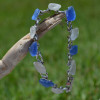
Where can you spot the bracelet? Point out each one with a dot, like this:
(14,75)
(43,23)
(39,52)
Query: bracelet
(73,49)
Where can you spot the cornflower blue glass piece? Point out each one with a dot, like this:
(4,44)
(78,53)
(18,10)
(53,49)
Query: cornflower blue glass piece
(33,49)
(46,83)
(70,14)
(73,50)
(35,15)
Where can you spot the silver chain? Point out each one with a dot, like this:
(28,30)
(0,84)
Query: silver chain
(69,77)
(40,58)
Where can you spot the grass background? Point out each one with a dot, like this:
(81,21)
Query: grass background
(22,83)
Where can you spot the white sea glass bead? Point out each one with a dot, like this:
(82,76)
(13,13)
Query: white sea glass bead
(74,33)
(32,31)
(72,69)
(40,67)
(54,6)
(57,90)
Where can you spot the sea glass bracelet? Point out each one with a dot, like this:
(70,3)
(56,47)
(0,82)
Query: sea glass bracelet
(73,49)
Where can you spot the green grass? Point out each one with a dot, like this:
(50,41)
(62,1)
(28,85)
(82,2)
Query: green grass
(22,83)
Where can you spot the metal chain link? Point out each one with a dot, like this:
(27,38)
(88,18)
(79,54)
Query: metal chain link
(40,58)
(69,77)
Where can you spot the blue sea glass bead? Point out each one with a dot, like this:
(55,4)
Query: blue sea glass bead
(35,15)
(46,83)
(74,50)
(33,49)
(70,14)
